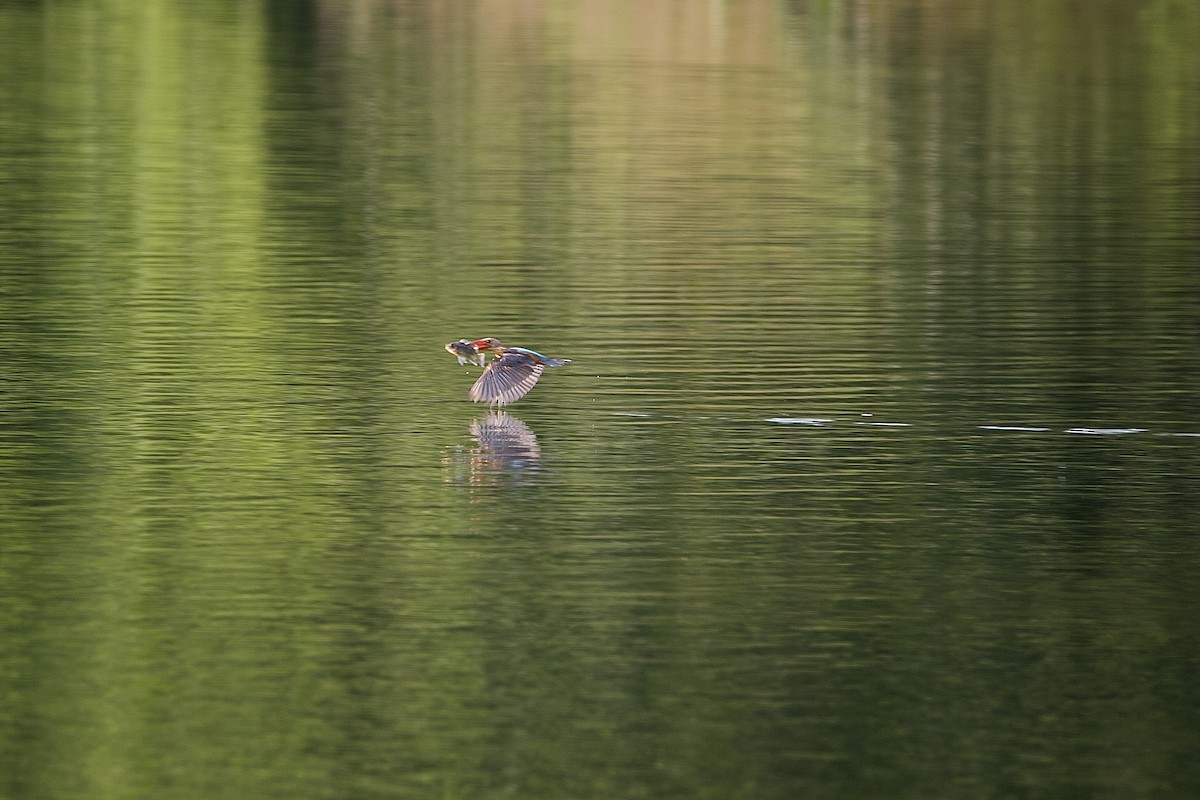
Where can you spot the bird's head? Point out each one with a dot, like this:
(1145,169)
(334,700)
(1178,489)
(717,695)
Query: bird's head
(482,345)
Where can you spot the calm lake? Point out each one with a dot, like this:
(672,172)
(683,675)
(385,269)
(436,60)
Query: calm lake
(875,474)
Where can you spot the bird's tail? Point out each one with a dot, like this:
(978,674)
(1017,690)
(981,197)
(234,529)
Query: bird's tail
(556,362)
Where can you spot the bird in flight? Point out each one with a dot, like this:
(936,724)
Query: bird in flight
(509,376)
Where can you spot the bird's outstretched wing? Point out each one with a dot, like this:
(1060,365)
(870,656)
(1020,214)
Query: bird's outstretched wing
(507,379)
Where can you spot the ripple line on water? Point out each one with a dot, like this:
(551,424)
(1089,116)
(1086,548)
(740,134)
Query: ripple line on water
(826,422)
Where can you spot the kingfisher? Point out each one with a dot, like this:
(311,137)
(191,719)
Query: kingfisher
(509,376)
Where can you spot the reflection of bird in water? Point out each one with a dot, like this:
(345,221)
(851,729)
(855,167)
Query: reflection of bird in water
(509,376)
(506,440)
(505,452)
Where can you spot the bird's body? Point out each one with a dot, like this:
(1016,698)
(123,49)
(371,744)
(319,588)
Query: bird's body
(510,375)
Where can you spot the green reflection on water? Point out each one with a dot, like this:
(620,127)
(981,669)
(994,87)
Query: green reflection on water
(256,543)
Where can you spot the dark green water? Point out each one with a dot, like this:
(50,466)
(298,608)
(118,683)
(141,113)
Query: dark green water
(874,476)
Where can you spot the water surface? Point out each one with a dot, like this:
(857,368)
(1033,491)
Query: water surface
(874,473)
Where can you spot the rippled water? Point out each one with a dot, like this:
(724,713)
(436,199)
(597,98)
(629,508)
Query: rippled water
(874,473)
